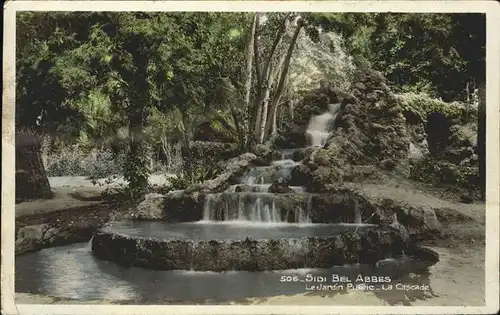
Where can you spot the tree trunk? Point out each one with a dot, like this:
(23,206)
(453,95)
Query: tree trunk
(248,83)
(137,168)
(275,121)
(254,113)
(481,139)
(265,106)
(283,76)
(31,178)
(265,83)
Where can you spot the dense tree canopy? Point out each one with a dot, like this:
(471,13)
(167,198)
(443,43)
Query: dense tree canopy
(84,76)
(436,53)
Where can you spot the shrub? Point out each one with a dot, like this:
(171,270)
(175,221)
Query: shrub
(196,173)
(444,173)
(424,105)
(74,161)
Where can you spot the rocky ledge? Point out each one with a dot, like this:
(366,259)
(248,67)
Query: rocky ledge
(63,227)
(338,204)
(365,246)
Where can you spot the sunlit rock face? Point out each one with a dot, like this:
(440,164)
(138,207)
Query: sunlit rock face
(369,129)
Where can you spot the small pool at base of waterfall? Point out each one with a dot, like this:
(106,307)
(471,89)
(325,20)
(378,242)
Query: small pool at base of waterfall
(73,272)
(230,230)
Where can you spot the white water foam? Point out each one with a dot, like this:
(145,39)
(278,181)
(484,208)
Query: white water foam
(250,207)
(320,126)
(285,163)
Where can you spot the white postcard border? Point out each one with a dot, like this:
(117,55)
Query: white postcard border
(492,10)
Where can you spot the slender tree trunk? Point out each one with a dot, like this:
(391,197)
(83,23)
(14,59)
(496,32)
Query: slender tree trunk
(481,139)
(277,39)
(254,113)
(283,76)
(248,83)
(291,108)
(264,84)
(265,106)
(275,121)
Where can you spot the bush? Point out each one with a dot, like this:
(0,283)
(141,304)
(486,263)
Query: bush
(444,173)
(423,105)
(196,173)
(74,161)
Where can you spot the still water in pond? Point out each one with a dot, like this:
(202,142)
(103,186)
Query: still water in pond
(233,230)
(72,272)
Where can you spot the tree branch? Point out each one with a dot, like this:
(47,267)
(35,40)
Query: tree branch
(283,76)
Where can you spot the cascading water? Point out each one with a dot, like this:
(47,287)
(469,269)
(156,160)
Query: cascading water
(250,201)
(320,126)
(254,200)
(255,207)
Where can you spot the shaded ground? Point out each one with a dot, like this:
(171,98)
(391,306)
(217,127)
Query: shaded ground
(71,192)
(457,279)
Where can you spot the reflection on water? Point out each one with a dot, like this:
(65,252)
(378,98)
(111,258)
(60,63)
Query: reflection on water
(72,272)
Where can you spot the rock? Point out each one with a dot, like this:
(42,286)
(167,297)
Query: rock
(466,198)
(30,237)
(302,153)
(280,187)
(448,215)
(418,220)
(181,206)
(264,152)
(151,208)
(234,168)
(388,164)
(416,153)
(379,128)
(34,232)
(370,128)
(51,235)
(293,137)
(365,246)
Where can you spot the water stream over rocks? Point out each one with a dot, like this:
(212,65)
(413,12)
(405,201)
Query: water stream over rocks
(247,238)
(260,223)
(254,198)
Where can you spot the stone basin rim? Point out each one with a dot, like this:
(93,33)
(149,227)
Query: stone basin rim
(363,228)
(366,247)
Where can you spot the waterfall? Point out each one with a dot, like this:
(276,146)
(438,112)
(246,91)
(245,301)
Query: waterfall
(89,244)
(247,206)
(208,213)
(320,126)
(256,207)
(357,213)
(299,250)
(194,244)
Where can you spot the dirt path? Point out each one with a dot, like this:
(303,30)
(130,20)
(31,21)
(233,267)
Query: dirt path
(72,192)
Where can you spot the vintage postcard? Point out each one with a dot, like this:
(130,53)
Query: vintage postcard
(250,157)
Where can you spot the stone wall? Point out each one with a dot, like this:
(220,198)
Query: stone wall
(366,247)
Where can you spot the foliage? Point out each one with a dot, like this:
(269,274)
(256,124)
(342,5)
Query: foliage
(73,161)
(324,59)
(433,52)
(425,105)
(105,85)
(444,173)
(119,68)
(197,173)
